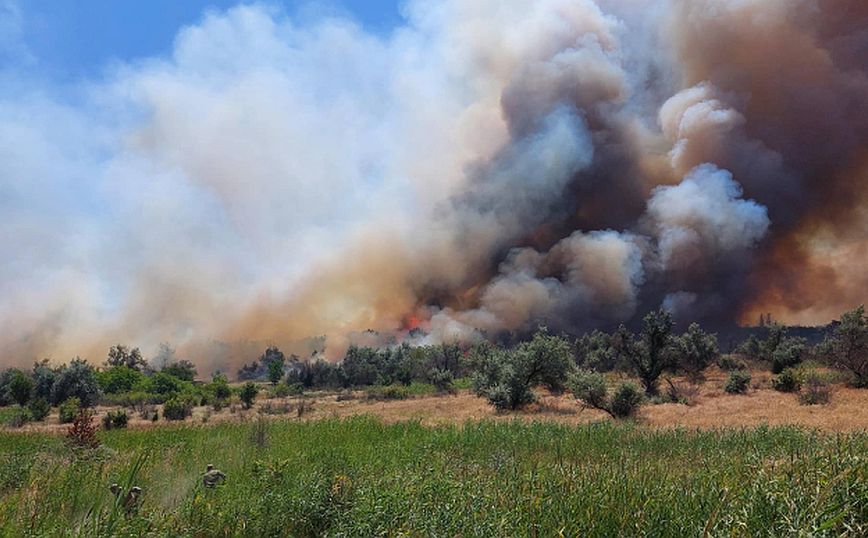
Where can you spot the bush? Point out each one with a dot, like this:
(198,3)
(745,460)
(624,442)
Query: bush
(506,377)
(19,417)
(626,400)
(248,394)
(695,351)
(442,380)
(39,408)
(788,353)
(738,382)
(283,390)
(388,392)
(115,419)
(77,379)
(178,408)
(590,388)
(730,363)
(69,409)
(816,390)
(787,381)
(119,379)
(19,387)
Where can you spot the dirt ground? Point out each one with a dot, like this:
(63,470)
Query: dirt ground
(710,408)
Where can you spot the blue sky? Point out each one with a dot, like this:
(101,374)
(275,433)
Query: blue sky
(78,38)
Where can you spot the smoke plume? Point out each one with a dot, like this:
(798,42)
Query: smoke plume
(484,168)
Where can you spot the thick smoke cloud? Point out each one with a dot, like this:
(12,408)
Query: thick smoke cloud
(487,167)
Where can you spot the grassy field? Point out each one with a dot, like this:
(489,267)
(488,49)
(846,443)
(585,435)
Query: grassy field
(361,477)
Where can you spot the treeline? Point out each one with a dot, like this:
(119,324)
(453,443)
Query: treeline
(506,376)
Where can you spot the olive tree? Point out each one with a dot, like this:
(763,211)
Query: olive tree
(651,353)
(847,347)
(694,351)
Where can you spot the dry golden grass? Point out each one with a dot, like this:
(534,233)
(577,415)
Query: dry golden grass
(711,408)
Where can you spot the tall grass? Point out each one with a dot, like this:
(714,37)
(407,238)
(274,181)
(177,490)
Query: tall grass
(359,477)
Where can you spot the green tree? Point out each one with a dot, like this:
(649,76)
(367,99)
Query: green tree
(76,379)
(43,379)
(182,369)
(275,369)
(847,347)
(695,350)
(121,355)
(590,388)
(248,394)
(118,379)
(506,378)
(651,354)
(20,387)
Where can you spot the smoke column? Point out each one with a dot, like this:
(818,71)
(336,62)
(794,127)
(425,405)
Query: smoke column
(486,167)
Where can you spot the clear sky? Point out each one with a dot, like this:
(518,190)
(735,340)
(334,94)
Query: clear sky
(74,38)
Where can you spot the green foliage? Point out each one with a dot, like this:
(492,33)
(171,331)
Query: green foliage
(115,419)
(695,350)
(18,417)
(816,389)
(168,385)
(626,400)
(76,379)
(738,382)
(787,381)
(19,387)
(69,409)
(274,361)
(39,408)
(788,353)
(248,394)
(183,370)
(387,392)
(594,351)
(442,379)
(651,354)
(729,363)
(507,377)
(178,408)
(43,379)
(118,379)
(121,355)
(847,347)
(590,388)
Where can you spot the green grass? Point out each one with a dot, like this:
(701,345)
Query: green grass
(359,477)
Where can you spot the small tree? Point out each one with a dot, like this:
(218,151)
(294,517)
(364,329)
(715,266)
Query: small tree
(847,348)
(39,408)
(178,408)
(590,388)
(20,387)
(695,350)
(248,394)
(275,369)
(43,379)
(121,355)
(594,351)
(77,379)
(738,382)
(220,386)
(183,370)
(651,354)
(82,433)
(506,378)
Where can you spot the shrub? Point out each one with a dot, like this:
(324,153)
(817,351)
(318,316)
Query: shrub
(738,382)
(248,394)
(178,408)
(69,409)
(115,419)
(388,392)
(816,390)
(19,387)
(39,408)
(442,379)
(590,388)
(19,417)
(729,363)
(787,381)
(788,353)
(43,379)
(506,377)
(82,433)
(283,390)
(77,379)
(695,351)
(625,400)
(183,370)
(119,379)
